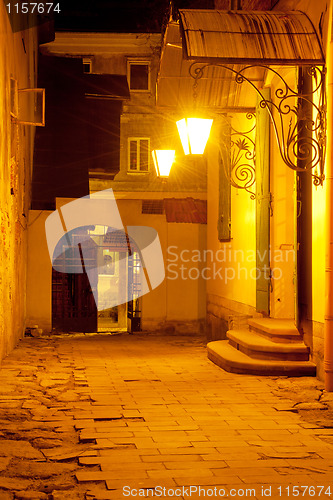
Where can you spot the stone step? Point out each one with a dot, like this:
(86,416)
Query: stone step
(257,346)
(277,330)
(235,361)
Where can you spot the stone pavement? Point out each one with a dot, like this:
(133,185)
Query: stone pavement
(84,416)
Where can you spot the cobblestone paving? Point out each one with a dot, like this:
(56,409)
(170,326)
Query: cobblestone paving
(84,416)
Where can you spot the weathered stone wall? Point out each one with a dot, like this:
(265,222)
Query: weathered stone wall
(17,61)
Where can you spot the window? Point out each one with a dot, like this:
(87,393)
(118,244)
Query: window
(138,76)
(87,65)
(224,210)
(138,154)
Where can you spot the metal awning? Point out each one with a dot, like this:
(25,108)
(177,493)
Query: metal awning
(248,37)
(234,39)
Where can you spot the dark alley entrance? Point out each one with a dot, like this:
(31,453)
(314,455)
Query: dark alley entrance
(102,291)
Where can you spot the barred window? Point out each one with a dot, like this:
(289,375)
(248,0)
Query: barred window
(153,207)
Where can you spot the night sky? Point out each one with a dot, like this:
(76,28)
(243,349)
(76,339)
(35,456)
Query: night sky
(119,15)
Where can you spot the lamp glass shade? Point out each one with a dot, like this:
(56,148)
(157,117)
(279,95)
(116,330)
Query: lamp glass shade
(194,134)
(163,160)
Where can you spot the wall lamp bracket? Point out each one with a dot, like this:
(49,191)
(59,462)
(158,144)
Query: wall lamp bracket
(298,117)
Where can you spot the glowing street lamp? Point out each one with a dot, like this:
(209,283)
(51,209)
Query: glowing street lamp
(194,134)
(163,160)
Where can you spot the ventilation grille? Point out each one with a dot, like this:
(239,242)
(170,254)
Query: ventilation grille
(153,207)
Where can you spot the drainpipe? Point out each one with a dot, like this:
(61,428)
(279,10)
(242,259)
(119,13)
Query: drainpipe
(235,5)
(328,326)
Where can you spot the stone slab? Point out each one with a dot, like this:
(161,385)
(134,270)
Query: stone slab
(22,449)
(14,484)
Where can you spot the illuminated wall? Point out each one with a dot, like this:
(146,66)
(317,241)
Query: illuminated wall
(17,61)
(39,273)
(231,289)
(178,303)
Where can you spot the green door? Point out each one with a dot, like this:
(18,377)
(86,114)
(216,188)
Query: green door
(263,204)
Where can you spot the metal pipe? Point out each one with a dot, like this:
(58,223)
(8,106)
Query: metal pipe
(328,325)
(235,5)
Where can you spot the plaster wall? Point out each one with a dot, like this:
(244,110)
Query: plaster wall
(178,303)
(231,289)
(318,252)
(314,329)
(18,59)
(186,271)
(39,273)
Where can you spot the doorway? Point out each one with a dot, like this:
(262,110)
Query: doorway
(112,279)
(73,291)
(111,309)
(106,297)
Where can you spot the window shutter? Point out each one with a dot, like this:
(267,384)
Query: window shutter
(263,203)
(224,215)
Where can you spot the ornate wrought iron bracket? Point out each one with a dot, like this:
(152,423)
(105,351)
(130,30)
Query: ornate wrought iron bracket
(240,170)
(298,119)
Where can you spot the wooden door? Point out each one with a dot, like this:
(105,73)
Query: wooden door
(74,306)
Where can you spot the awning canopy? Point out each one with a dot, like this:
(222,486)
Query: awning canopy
(234,39)
(250,37)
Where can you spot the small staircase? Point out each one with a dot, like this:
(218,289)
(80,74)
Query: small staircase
(269,347)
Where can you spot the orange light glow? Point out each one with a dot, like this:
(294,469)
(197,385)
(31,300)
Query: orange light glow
(194,134)
(163,160)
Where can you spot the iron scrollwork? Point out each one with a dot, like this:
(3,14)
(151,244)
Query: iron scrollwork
(241,172)
(291,113)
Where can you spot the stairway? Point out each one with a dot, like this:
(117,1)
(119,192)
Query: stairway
(268,347)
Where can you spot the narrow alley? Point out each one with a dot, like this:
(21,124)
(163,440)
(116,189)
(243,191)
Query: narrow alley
(110,416)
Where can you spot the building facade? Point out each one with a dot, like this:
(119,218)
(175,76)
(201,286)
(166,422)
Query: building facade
(175,209)
(266,233)
(260,272)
